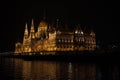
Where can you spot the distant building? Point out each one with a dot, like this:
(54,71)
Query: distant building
(49,38)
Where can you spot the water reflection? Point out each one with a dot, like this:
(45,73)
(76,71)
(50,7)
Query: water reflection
(38,70)
(18,69)
(108,72)
(26,70)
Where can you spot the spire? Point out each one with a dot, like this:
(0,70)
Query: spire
(92,33)
(57,23)
(32,24)
(44,14)
(79,27)
(32,31)
(25,34)
(26,31)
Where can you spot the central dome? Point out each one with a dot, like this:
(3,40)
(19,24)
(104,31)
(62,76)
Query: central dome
(43,23)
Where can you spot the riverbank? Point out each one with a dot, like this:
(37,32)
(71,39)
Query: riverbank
(72,57)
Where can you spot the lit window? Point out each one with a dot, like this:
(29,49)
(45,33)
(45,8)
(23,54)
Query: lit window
(59,40)
(81,32)
(76,31)
(71,40)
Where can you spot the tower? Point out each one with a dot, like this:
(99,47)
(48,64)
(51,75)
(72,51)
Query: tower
(32,31)
(93,40)
(26,42)
(79,38)
(57,24)
(25,34)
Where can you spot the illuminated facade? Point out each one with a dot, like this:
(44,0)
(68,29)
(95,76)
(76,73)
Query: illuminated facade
(48,38)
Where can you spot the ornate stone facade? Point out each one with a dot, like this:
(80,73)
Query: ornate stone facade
(47,38)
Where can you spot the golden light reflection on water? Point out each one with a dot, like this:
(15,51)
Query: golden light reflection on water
(39,70)
(46,70)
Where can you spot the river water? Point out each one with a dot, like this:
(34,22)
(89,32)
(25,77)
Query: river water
(19,69)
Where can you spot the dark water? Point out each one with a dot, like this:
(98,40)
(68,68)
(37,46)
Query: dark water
(18,69)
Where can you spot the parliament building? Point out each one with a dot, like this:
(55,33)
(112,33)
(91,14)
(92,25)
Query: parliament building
(51,38)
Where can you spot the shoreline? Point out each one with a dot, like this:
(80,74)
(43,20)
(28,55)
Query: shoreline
(72,57)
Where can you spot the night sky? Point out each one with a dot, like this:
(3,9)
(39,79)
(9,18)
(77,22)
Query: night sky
(98,16)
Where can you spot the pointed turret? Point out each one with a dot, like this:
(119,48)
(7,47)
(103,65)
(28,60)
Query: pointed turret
(57,25)
(32,31)
(26,31)
(92,33)
(81,31)
(44,14)
(25,34)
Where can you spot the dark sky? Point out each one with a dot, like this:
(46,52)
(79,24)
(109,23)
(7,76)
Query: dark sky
(99,16)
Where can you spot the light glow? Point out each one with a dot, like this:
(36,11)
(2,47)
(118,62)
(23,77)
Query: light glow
(44,40)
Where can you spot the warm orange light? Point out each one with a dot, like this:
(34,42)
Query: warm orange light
(45,40)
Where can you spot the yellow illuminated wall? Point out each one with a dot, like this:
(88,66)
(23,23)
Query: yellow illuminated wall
(48,39)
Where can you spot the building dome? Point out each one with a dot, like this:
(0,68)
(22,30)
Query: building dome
(43,23)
